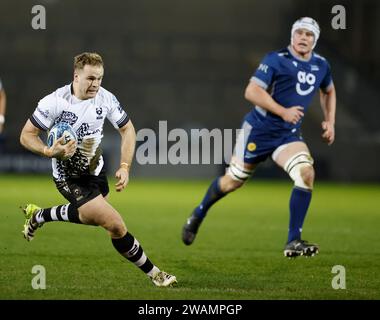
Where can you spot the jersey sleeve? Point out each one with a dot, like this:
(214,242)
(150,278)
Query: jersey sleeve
(265,72)
(327,80)
(44,115)
(116,114)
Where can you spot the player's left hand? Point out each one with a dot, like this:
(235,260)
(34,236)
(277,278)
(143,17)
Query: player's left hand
(328,134)
(123,178)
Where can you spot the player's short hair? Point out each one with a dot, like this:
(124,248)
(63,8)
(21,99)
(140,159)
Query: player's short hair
(87,58)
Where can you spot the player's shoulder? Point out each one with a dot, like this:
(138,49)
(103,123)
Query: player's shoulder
(60,93)
(321,60)
(52,103)
(56,96)
(275,54)
(106,96)
(275,57)
(280,54)
(104,93)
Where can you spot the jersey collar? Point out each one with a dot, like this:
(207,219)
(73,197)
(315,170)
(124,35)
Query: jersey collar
(290,50)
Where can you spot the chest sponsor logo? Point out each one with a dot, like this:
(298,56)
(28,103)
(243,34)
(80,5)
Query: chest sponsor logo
(305,79)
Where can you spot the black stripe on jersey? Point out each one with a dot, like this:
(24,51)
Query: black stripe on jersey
(122,118)
(37,123)
(123,121)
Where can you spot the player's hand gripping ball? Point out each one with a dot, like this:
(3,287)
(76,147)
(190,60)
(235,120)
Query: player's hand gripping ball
(58,130)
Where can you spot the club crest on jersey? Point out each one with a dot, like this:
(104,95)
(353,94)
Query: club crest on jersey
(314,68)
(305,78)
(99,112)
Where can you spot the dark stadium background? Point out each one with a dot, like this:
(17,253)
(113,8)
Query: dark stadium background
(188,62)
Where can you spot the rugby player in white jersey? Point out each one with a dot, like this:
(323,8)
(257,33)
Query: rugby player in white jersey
(78,166)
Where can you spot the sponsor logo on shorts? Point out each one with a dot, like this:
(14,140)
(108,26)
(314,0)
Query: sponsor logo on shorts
(251,146)
(78,194)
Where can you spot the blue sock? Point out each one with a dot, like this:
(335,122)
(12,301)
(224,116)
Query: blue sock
(213,194)
(299,203)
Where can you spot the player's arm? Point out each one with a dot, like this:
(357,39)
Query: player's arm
(260,97)
(128,143)
(30,139)
(328,105)
(3,104)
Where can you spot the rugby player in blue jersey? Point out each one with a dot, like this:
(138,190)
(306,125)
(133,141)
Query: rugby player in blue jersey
(281,90)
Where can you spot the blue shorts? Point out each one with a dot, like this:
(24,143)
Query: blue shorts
(255,146)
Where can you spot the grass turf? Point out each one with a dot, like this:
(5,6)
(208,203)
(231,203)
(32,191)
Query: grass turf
(237,254)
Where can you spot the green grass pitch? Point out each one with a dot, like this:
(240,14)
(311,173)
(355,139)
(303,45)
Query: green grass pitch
(237,255)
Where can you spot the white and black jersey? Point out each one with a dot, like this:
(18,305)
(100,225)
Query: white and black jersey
(87,119)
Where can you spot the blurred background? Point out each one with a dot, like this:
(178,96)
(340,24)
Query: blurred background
(188,62)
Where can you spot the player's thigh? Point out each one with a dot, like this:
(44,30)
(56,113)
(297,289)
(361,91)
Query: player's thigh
(285,152)
(99,212)
(79,191)
(245,157)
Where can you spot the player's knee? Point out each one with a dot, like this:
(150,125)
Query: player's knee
(300,169)
(227,184)
(116,227)
(235,177)
(307,175)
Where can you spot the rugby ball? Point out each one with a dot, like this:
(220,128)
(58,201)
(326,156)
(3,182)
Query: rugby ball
(58,130)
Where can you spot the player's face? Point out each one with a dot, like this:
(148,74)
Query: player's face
(87,81)
(303,41)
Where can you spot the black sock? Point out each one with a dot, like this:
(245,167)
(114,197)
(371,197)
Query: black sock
(66,212)
(130,248)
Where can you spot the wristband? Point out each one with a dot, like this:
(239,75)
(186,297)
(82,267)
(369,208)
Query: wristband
(2,119)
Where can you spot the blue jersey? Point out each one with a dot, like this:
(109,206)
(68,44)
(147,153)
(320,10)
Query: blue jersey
(291,82)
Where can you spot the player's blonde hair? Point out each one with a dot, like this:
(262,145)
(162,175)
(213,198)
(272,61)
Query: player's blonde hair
(87,58)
